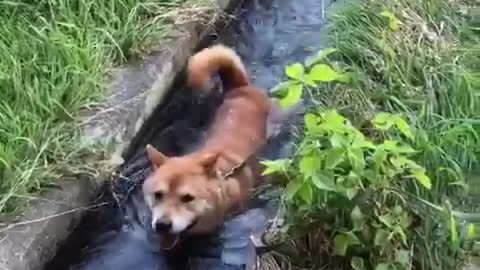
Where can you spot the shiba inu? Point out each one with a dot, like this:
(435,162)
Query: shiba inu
(193,193)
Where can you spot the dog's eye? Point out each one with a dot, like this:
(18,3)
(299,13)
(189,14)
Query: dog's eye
(187,198)
(158,195)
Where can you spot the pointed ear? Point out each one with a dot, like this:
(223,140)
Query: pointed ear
(208,160)
(155,157)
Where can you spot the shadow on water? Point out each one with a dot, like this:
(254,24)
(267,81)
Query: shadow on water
(268,35)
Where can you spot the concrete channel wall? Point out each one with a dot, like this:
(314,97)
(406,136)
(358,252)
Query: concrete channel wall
(134,92)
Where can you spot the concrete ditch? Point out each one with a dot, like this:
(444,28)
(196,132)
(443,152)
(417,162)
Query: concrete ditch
(268,35)
(134,93)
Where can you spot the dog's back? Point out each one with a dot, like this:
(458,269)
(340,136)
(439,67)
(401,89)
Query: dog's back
(239,129)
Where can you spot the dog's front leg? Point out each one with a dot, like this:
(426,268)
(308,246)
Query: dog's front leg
(235,195)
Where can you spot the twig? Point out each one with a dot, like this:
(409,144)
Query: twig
(27,222)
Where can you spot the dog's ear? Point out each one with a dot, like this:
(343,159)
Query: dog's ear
(208,160)
(155,157)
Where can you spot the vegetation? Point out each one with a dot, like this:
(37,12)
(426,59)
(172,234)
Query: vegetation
(54,59)
(382,175)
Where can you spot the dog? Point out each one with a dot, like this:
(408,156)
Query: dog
(193,193)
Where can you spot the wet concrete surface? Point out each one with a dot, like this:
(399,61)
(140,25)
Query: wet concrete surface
(268,35)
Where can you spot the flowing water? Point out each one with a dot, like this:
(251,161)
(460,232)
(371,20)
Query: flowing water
(268,35)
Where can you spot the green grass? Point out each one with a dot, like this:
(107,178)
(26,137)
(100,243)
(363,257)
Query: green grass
(427,74)
(54,58)
(426,70)
(431,81)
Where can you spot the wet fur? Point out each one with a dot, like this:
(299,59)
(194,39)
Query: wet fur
(239,130)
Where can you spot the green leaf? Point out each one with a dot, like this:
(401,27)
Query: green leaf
(342,242)
(387,14)
(344,77)
(293,96)
(422,178)
(292,189)
(352,239)
(295,71)
(399,162)
(338,140)
(394,24)
(412,164)
(312,122)
(381,238)
(340,245)
(393,21)
(274,166)
(358,219)
(357,159)
(405,220)
(333,157)
(388,220)
(351,192)
(385,47)
(401,233)
(322,54)
(397,210)
(353,177)
(404,128)
(402,256)
(370,175)
(306,193)
(359,141)
(471,231)
(324,180)
(333,121)
(309,82)
(404,149)
(381,266)
(379,156)
(308,148)
(393,146)
(322,73)
(309,165)
(357,263)
(383,121)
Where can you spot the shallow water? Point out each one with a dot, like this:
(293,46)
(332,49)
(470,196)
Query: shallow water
(271,34)
(268,35)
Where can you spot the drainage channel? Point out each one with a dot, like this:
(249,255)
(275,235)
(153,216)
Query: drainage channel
(268,35)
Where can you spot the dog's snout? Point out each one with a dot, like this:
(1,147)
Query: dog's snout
(162,226)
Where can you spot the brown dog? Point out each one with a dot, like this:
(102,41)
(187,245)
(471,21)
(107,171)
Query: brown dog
(192,193)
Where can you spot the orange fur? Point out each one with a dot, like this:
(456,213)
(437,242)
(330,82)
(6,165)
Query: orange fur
(239,128)
(238,131)
(216,59)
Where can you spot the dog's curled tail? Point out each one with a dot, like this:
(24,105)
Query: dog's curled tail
(212,60)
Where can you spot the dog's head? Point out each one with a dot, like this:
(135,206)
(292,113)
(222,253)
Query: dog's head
(177,192)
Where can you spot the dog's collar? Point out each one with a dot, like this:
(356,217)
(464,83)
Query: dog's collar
(234,170)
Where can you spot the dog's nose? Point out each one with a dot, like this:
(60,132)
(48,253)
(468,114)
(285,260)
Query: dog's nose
(162,226)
